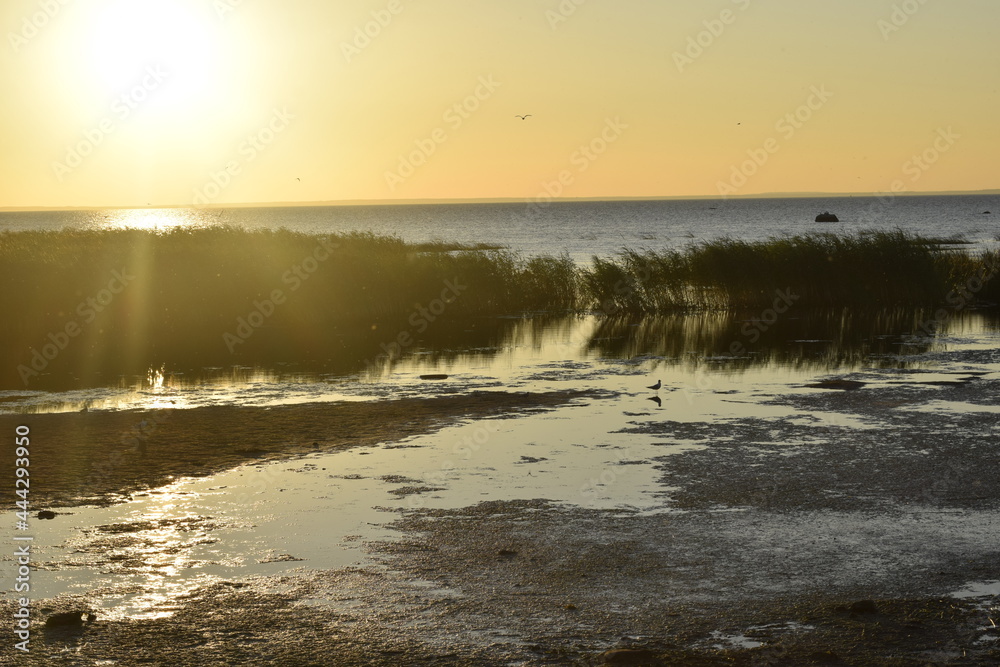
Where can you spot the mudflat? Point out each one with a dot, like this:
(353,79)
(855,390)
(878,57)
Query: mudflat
(866,536)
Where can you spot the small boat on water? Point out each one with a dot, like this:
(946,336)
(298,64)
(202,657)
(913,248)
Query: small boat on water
(826,216)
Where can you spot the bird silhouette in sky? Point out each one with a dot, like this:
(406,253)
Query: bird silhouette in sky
(522,117)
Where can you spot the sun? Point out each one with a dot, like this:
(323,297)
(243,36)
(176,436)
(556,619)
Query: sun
(163,50)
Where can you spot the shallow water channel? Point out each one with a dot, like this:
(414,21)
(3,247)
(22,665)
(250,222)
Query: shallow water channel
(136,558)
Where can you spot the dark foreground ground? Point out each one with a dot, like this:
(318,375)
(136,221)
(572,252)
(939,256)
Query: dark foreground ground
(785,543)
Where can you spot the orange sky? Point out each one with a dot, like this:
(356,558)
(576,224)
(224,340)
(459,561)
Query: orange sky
(181,102)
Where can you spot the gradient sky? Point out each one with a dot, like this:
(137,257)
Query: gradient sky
(174,102)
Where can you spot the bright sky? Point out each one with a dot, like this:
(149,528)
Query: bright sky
(175,102)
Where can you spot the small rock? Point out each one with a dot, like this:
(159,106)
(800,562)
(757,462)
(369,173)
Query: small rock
(837,383)
(628,656)
(280,558)
(66,619)
(46,514)
(863,607)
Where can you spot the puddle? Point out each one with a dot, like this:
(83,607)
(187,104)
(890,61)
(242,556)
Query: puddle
(978,589)
(724,641)
(986,595)
(756,636)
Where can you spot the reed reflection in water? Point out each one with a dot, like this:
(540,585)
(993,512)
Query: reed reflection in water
(818,340)
(490,352)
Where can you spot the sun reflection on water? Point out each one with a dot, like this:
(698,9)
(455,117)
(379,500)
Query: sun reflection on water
(152,548)
(159,390)
(154,377)
(154,219)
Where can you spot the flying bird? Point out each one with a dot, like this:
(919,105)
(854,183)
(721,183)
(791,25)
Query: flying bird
(522,117)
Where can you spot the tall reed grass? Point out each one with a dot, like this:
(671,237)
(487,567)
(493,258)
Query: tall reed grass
(186,277)
(189,277)
(187,289)
(188,292)
(868,269)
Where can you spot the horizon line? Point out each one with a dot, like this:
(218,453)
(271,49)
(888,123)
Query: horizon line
(497,200)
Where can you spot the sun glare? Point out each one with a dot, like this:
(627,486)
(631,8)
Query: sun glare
(162,51)
(155,219)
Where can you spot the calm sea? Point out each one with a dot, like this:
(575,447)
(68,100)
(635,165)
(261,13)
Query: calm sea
(578,228)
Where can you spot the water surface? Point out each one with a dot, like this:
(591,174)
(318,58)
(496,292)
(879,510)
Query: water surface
(580,229)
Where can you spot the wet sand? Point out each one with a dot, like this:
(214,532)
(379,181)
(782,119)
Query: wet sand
(103,457)
(840,541)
